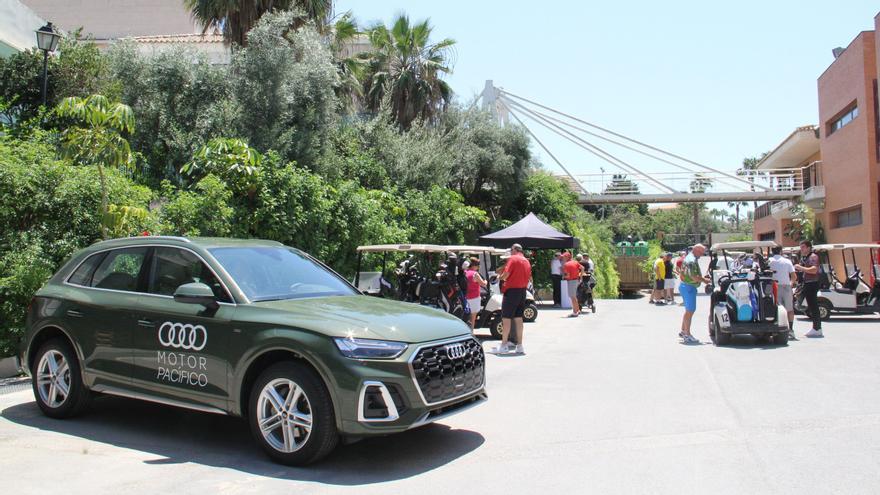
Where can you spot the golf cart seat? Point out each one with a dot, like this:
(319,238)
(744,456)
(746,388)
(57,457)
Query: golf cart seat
(843,290)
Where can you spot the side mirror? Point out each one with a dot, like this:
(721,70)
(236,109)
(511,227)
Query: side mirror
(196,293)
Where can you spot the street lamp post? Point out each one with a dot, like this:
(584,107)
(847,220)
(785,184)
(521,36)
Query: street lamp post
(47,40)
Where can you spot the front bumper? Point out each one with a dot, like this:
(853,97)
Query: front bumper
(383,397)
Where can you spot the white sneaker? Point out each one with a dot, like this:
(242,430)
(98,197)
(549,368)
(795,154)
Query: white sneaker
(501,349)
(519,349)
(814,334)
(690,340)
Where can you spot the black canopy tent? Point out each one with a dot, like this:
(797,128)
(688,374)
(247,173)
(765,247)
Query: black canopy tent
(531,233)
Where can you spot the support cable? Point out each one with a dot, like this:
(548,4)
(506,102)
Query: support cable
(673,155)
(586,145)
(544,147)
(622,145)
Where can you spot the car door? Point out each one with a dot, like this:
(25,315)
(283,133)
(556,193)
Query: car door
(100,312)
(179,348)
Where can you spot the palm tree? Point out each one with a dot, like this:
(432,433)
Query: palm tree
(234,18)
(406,68)
(736,205)
(97,139)
(699,184)
(349,66)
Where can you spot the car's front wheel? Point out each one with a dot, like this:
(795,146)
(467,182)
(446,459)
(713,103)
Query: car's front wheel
(57,381)
(291,414)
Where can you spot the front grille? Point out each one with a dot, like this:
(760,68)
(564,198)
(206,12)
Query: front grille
(441,377)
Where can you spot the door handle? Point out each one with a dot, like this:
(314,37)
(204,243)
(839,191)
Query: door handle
(146,323)
(75,313)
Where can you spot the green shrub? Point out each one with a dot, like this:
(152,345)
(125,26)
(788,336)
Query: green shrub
(204,211)
(48,210)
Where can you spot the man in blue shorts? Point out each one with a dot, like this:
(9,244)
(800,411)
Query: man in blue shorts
(691,278)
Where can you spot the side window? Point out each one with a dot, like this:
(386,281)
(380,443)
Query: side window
(119,270)
(174,267)
(83,273)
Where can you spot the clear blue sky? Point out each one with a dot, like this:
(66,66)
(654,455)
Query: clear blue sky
(712,82)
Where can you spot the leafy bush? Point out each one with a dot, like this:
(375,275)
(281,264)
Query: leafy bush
(48,210)
(204,211)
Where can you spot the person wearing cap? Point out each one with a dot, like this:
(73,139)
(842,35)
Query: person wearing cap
(691,278)
(669,279)
(516,276)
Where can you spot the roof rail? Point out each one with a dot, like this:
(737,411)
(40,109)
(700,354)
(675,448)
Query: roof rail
(169,237)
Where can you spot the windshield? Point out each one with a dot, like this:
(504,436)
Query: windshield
(269,273)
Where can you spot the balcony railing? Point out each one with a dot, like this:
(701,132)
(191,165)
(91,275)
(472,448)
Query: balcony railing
(763,210)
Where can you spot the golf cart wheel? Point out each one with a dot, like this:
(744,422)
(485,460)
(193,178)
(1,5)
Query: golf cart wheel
(825,308)
(764,338)
(496,328)
(781,338)
(721,338)
(593,308)
(530,313)
(712,328)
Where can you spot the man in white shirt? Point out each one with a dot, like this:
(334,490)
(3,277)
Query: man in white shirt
(556,277)
(784,275)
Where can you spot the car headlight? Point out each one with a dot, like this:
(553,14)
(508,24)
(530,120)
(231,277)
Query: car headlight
(369,349)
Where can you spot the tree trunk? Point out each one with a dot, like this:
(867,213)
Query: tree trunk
(737,216)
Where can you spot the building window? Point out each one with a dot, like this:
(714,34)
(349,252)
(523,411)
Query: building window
(848,218)
(844,119)
(767,236)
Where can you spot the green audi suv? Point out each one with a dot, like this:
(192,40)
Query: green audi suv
(246,328)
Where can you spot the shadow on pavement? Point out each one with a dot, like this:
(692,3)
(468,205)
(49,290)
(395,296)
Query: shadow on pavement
(178,436)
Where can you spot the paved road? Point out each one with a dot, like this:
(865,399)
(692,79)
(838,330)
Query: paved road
(607,403)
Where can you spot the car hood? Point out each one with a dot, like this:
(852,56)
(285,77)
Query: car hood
(365,317)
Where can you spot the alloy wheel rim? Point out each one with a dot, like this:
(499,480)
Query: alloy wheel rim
(53,379)
(528,313)
(284,415)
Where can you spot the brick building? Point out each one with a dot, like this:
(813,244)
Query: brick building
(840,157)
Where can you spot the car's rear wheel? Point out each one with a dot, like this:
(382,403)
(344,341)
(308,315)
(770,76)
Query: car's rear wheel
(721,338)
(781,338)
(530,313)
(57,381)
(825,310)
(291,414)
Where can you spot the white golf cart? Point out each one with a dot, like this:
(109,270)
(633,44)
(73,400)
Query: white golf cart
(851,294)
(744,299)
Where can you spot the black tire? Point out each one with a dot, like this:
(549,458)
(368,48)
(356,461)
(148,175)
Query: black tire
(78,397)
(593,308)
(323,437)
(825,308)
(721,338)
(496,327)
(764,338)
(530,313)
(708,288)
(712,328)
(781,338)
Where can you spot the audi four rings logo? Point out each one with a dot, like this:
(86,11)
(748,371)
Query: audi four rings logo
(183,336)
(455,351)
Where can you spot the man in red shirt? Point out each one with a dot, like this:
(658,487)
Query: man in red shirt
(516,276)
(573,271)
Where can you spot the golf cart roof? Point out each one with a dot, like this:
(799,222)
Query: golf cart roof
(470,249)
(832,247)
(402,248)
(742,245)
